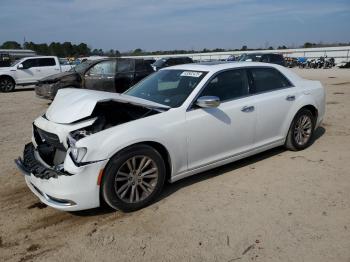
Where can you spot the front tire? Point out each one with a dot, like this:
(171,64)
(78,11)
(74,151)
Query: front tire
(301,131)
(133,178)
(7,84)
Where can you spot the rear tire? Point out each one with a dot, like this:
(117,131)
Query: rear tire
(7,84)
(133,178)
(301,131)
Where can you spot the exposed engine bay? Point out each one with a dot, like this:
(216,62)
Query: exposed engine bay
(112,113)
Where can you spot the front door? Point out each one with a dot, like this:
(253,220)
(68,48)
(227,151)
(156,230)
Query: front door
(28,73)
(219,133)
(101,76)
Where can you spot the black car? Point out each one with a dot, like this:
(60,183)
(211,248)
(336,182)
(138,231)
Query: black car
(265,58)
(110,74)
(171,61)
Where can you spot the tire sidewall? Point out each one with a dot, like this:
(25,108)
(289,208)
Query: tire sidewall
(107,185)
(301,113)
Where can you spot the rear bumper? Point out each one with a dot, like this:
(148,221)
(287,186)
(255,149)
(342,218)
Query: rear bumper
(75,189)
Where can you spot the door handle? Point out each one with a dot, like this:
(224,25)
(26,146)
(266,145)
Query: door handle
(290,98)
(247,109)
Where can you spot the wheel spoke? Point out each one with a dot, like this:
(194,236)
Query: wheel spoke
(123,174)
(144,189)
(149,161)
(137,194)
(128,163)
(123,187)
(125,191)
(121,179)
(149,172)
(149,187)
(132,193)
(143,160)
(133,162)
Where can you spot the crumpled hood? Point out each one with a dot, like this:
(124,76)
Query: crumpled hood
(59,76)
(72,104)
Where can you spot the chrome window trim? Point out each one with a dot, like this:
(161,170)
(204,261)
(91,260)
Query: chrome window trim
(191,105)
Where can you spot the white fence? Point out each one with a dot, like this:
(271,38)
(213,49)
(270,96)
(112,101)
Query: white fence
(340,53)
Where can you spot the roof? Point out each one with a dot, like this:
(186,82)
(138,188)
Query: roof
(220,65)
(213,67)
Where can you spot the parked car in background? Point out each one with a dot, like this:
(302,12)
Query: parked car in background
(29,70)
(171,61)
(110,74)
(92,147)
(265,58)
(231,58)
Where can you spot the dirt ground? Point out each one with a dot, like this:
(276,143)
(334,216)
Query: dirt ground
(276,206)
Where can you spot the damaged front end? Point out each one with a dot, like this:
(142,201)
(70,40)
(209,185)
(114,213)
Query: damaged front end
(45,157)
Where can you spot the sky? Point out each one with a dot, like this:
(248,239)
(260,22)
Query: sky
(175,24)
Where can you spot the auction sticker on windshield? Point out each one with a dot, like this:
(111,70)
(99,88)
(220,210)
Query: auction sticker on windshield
(191,74)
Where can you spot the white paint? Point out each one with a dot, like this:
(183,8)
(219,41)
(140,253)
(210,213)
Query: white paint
(196,139)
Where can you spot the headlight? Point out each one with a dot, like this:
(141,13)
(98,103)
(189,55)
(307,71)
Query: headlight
(78,153)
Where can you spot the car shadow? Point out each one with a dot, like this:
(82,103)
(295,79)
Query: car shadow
(24,89)
(171,188)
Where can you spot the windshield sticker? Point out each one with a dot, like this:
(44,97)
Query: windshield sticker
(191,74)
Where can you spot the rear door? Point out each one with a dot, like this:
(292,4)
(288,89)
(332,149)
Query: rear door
(101,76)
(274,96)
(46,67)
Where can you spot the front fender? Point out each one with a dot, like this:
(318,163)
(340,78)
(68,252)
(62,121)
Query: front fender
(165,130)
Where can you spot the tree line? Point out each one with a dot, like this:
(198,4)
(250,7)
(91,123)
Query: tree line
(67,49)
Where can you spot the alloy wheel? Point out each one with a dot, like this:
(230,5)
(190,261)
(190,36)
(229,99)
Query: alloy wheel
(6,85)
(302,130)
(136,179)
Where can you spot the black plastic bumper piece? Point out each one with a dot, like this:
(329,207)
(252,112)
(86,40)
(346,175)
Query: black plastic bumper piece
(30,165)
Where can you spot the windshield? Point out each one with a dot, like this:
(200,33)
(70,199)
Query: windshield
(167,87)
(81,68)
(15,62)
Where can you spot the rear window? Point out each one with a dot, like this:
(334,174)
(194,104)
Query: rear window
(46,62)
(142,65)
(276,58)
(267,79)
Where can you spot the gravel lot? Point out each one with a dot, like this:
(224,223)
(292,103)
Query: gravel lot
(276,206)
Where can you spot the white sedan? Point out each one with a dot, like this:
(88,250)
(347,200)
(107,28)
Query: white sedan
(94,146)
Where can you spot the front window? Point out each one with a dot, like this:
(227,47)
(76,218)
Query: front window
(81,68)
(103,68)
(167,87)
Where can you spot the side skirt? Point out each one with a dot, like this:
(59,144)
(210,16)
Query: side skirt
(227,160)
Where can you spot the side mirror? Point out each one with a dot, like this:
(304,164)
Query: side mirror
(20,66)
(208,101)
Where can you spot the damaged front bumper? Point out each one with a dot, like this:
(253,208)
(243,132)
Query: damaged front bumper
(46,91)
(30,164)
(71,189)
